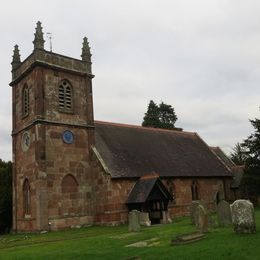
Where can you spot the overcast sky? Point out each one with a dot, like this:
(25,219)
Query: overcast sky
(202,57)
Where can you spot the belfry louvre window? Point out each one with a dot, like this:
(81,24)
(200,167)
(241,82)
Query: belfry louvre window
(65,96)
(25,98)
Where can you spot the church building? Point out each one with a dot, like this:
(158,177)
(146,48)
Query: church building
(70,170)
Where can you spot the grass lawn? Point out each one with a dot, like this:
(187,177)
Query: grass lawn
(110,243)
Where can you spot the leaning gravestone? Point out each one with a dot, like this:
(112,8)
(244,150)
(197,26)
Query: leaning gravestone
(134,221)
(224,213)
(201,219)
(243,219)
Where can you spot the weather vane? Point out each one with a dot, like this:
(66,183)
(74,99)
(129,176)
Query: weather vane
(49,35)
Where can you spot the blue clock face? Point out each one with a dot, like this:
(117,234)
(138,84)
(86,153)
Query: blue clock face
(68,137)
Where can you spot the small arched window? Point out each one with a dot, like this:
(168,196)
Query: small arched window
(65,96)
(26,197)
(69,184)
(194,190)
(217,197)
(171,188)
(25,101)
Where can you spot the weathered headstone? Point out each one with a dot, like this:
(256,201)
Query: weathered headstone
(193,210)
(144,219)
(201,219)
(243,219)
(134,221)
(224,213)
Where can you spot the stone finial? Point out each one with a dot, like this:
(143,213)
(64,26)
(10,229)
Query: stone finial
(16,58)
(86,55)
(38,37)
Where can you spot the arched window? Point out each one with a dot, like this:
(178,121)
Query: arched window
(65,96)
(69,184)
(25,100)
(217,197)
(26,197)
(194,190)
(171,188)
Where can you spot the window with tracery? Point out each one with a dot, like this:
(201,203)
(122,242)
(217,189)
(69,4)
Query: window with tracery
(65,96)
(26,197)
(25,101)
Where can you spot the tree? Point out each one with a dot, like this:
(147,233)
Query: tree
(238,156)
(252,145)
(162,116)
(251,179)
(151,117)
(5,196)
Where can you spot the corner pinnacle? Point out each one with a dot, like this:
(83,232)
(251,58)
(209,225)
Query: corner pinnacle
(86,55)
(38,37)
(16,58)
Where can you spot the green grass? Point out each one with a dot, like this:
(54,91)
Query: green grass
(110,242)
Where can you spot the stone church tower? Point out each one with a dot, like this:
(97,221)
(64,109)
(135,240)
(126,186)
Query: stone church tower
(53,131)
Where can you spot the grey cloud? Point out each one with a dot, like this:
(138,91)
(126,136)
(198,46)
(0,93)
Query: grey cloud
(203,57)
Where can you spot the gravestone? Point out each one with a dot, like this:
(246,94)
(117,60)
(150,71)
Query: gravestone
(243,219)
(201,219)
(134,221)
(224,213)
(193,210)
(144,219)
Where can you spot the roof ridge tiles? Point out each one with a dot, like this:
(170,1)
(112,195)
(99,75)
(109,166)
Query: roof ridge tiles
(144,127)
